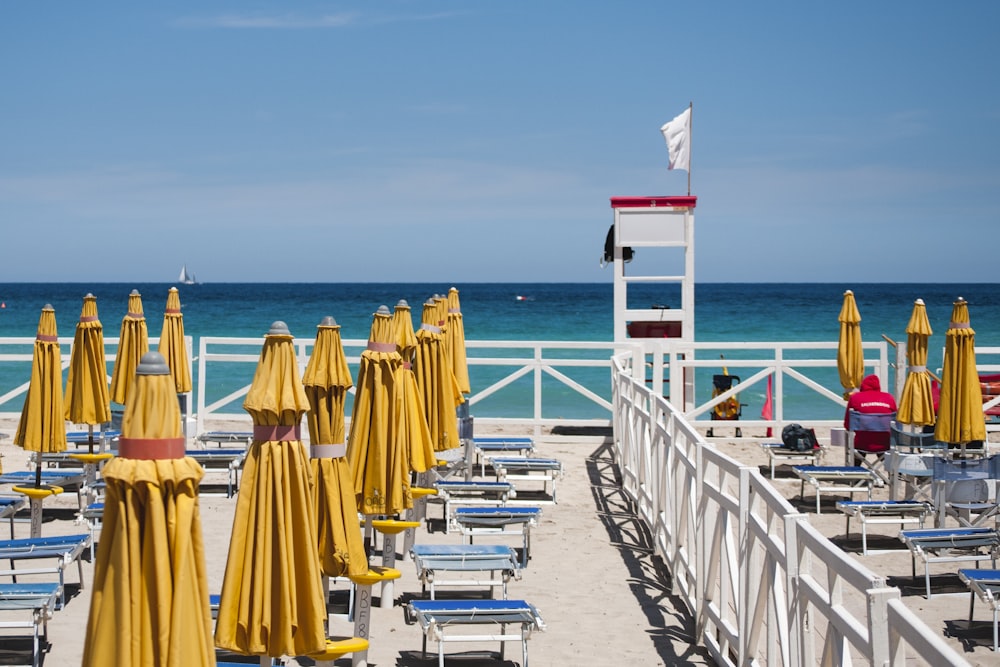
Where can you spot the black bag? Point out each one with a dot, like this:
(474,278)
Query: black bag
(799,438)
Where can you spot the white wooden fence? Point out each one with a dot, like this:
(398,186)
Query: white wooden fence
(764,586)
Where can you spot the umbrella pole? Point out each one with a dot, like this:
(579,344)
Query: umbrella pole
(38,472)
(90,438)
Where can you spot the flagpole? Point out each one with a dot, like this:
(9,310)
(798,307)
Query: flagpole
(690,141)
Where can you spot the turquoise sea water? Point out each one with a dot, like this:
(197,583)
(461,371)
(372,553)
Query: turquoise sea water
(492,311)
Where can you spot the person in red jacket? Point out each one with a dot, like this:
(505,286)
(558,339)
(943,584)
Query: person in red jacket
(872,400)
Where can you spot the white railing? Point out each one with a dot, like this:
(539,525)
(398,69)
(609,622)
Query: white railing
(553,383)
(535,369)
(764,586)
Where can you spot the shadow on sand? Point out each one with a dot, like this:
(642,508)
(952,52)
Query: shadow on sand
(672,625)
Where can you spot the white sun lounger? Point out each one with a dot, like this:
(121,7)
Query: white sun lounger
(431,559)
(835,479)
(227,437)
(9,506)
(901,512)
(984,584)
(529,469)
(93,516)
(440,620)
(230,460)
(777,451)
(64,549)
(41,599)
(471,493)
(477,521)
(501,445)
(950,545)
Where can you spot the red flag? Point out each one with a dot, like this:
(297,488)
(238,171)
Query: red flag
(767,412)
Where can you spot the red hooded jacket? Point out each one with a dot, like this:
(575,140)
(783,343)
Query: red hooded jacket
(872,400)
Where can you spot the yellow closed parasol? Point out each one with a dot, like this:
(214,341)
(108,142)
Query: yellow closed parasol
(436,380)
(42,428)
(916,403)
(456,341)
(960,409)
(150,601)
(850,355)
(414,430)
(374,447)
(326,381)
(133,342)
(87,398)
(272,593)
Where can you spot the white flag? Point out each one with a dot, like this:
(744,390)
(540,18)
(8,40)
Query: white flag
(678,136)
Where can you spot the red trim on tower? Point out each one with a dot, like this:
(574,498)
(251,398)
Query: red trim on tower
(651,202)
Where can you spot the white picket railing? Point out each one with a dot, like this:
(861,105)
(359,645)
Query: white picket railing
(764,586)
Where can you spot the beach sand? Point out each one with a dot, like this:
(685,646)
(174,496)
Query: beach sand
(605,599)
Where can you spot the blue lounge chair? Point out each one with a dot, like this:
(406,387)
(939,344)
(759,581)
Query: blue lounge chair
(40,598)
(441,619)
(431,559)
(984,584)
(950,545)
(492,521)
(64,549)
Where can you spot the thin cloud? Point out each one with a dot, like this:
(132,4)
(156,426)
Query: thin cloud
(283,22)
(298,22)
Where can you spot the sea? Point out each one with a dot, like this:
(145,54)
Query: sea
(724,312)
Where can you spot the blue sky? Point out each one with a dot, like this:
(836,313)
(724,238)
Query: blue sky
(481,141)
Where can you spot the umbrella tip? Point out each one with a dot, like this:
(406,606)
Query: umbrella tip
(402,304)
(919,302)
(383,310)
(48,306)
(429,302)
(961,299)
(152,363)
(172,289)
(328,321)
(846,292)
(279,328)
(89,295)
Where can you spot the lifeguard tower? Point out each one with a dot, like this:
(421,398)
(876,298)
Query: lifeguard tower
(654,222)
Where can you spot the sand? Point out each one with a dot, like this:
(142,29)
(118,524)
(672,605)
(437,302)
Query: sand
(604,597)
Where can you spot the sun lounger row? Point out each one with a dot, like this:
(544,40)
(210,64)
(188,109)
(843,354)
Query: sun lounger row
(480,509)
(30,604)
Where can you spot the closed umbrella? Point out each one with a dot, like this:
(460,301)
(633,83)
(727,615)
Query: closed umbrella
(87,398)
(916,404)
(174,350)
(436,380)
(41,428)
(272,593)
(960,408)
(150,604)
(133,342)
(374,448)
(456,341)
(326,381)
(850,355)
(414,430)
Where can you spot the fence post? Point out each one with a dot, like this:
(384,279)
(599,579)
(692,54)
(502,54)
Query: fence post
(878,620)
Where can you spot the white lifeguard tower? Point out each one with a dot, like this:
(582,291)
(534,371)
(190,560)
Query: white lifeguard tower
(654,222)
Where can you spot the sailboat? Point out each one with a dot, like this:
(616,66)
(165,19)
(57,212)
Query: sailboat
(187,278)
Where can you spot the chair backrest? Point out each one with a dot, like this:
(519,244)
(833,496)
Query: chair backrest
(868,421)
(951,470)
(968,491)
(912,440)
